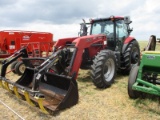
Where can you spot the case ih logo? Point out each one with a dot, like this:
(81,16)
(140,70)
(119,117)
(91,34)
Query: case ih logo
(26,37)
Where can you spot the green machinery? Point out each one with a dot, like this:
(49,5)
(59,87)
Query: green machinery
(145,77)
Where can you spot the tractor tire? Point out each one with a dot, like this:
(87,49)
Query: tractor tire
(104,68)
(132,79)
(13,66)
(131,56)
(20,68)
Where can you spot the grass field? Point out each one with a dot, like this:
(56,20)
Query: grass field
(94,104)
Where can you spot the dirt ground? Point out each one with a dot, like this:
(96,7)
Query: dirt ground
(94,104)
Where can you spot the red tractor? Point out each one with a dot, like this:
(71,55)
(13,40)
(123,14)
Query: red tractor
(52,85)
(107,49)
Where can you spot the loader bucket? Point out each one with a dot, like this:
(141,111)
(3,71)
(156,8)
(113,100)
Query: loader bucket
(55,92)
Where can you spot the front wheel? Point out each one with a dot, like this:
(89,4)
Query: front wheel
(132,79)
(103,70)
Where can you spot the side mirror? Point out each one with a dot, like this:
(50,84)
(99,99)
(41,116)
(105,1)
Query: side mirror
(127,20)
(130,30)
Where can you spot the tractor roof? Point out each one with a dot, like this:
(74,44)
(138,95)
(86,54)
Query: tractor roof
(108,18)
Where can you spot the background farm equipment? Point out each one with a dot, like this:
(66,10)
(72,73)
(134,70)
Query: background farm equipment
(151,44)
(39,49)
(51,88)
(38,44)
(13,40)
(144,77)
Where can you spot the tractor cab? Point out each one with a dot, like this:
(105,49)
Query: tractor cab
(115,28)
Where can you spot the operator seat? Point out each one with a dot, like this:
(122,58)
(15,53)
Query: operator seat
(110,35)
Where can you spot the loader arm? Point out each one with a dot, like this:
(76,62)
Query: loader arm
(89,42)
(21,53)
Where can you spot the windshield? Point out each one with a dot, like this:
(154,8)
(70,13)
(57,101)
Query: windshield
(101,27)
(107,27)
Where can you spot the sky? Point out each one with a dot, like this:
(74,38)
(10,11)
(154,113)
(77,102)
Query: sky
(62,17)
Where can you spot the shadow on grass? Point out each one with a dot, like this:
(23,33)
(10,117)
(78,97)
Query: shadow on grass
(84,76)
(121,79)
(85,79)
(150,103)
(102,89)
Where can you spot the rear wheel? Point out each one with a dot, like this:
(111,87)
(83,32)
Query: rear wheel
(132,79)
(131,56)
(13,66)
(20,68)
(103,70)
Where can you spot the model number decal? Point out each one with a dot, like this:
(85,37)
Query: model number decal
(88,39)
(150,57)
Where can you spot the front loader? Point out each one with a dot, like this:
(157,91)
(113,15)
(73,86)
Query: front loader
(47,86)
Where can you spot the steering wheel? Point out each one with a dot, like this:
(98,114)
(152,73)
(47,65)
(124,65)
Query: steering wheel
(106,32)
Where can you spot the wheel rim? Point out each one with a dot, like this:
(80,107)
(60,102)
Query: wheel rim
(134,56)
(109,70)
(22,68)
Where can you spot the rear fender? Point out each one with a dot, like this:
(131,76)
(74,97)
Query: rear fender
(126,43)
